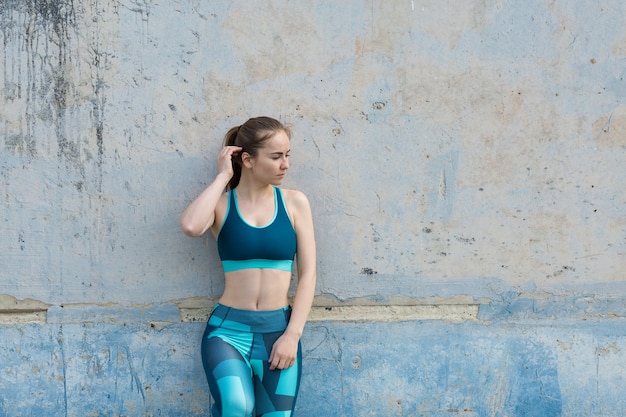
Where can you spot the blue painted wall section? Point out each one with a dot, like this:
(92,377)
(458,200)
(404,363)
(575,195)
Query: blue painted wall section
(138,363)
(465,165)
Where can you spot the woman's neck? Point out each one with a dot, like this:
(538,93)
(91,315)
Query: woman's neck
(252,192)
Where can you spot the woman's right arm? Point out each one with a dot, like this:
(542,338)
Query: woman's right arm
(200,214)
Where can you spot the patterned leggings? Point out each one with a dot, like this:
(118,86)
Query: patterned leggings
(235,354)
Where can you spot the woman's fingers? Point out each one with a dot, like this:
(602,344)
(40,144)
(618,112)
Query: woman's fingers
(284,364)
(284,352)
(225,158)
(232,149)
(229,151)
(281,361)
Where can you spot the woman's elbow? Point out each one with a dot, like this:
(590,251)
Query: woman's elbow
(189,229)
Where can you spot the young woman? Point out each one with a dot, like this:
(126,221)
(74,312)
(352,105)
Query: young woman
(251,346)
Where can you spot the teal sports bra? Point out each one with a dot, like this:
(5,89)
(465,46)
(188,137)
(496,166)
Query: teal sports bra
(244,246)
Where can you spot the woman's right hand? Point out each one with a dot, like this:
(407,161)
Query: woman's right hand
(225,160)
(200,215)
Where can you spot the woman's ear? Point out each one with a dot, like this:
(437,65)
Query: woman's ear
(246,159)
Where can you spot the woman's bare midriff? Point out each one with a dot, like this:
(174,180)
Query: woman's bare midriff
(256,289)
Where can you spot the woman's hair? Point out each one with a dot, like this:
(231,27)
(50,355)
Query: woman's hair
(251,136)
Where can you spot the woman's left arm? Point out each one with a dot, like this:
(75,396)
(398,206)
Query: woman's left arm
(285,349)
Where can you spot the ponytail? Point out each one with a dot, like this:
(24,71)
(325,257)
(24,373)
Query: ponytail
(231,140)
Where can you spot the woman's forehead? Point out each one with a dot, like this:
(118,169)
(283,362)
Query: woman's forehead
(280,141)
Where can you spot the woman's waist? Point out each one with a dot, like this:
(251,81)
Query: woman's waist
(253,303)
(253,321)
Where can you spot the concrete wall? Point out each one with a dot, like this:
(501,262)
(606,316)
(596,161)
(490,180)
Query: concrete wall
(465,162)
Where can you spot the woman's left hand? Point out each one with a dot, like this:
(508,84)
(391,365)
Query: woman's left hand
(284,352)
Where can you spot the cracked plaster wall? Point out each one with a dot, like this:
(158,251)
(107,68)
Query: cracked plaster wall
(464,156)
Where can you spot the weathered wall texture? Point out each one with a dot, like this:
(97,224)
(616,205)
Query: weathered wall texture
(465,162)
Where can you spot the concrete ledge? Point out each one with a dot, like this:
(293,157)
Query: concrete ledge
(195,309)
(14,311)
(198,309)
(28,317)
(450,313)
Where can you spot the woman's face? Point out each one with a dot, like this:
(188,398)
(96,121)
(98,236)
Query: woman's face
(272,161)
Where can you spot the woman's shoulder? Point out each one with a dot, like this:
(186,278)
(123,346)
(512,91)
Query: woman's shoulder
(294,195)
(295,199)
